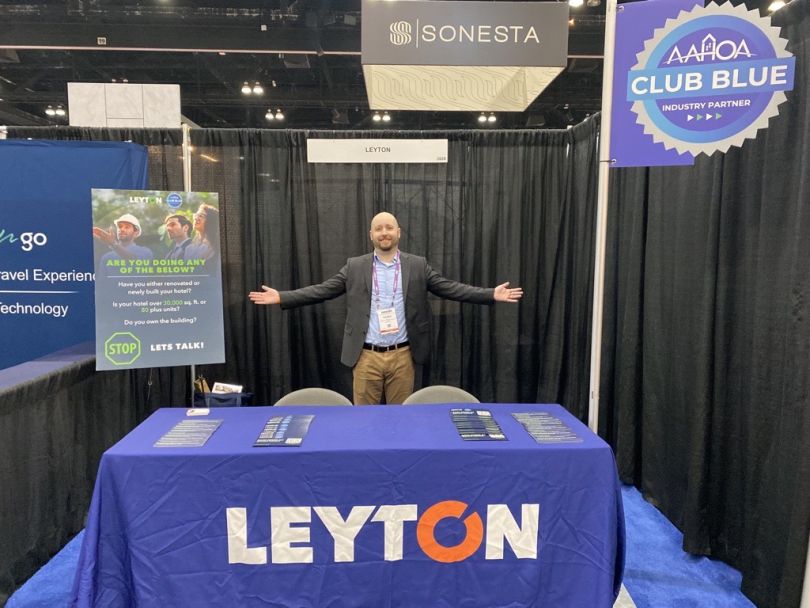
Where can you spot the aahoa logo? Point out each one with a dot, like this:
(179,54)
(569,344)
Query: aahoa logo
(710,50)
(400,33)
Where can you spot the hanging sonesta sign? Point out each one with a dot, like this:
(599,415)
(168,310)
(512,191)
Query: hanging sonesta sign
(707,80)
(433,32)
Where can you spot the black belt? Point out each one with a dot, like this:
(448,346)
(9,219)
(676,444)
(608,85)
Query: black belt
(385,349)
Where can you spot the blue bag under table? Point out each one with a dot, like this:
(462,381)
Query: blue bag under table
(222,399)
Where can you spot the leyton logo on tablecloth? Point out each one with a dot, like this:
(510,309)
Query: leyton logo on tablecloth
(501,526)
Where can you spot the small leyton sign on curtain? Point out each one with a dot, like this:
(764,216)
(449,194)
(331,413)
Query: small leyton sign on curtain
(692,80)
(377,150)
(158,278)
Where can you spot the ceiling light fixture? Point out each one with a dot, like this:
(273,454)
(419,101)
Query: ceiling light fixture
(376,117)
(246,90)
(575,3)
(270,115)
(492,117)
(50,111)
(60,111)
(775,6)
(386,117)
(482,117)
(279,114)
(593,3)
(258,89)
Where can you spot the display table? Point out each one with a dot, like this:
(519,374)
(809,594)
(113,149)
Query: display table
(379,506)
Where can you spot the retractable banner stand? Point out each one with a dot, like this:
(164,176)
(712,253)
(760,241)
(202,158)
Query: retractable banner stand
(692,80)
(158,279)
(46,257)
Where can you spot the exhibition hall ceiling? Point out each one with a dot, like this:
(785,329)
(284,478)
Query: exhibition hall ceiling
(304,55)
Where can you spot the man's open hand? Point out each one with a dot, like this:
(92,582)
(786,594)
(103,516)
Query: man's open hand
(503,293)
(268,295)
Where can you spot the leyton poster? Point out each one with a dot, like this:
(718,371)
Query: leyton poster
(158,278)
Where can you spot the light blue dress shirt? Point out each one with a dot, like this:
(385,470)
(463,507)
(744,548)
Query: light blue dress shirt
(382,294)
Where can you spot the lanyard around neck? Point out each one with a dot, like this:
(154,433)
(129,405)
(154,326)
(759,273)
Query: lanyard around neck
(377,284)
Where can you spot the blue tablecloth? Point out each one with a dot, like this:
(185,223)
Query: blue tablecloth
(159,524)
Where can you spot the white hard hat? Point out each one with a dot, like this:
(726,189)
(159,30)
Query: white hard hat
(131,219)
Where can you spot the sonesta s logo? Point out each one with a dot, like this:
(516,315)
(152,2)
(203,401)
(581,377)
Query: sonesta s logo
(400,33)
(501,526)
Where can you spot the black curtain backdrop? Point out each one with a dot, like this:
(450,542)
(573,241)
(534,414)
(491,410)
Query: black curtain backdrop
(508,206)
(706,346)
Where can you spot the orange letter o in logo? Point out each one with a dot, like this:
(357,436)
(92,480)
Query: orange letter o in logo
(440,553)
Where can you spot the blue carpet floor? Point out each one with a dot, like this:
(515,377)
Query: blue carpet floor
(658,573)
(50,586)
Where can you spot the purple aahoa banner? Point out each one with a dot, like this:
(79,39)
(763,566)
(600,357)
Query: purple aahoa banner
(690,80)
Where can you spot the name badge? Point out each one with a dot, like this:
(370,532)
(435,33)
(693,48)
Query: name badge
(388,320)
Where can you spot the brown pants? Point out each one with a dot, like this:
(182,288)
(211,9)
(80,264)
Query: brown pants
(377,374)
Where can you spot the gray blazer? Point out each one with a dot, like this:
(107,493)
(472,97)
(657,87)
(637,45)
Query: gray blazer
(354,279)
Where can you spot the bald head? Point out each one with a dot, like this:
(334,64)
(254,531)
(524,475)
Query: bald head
(384,232)
(386,217)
